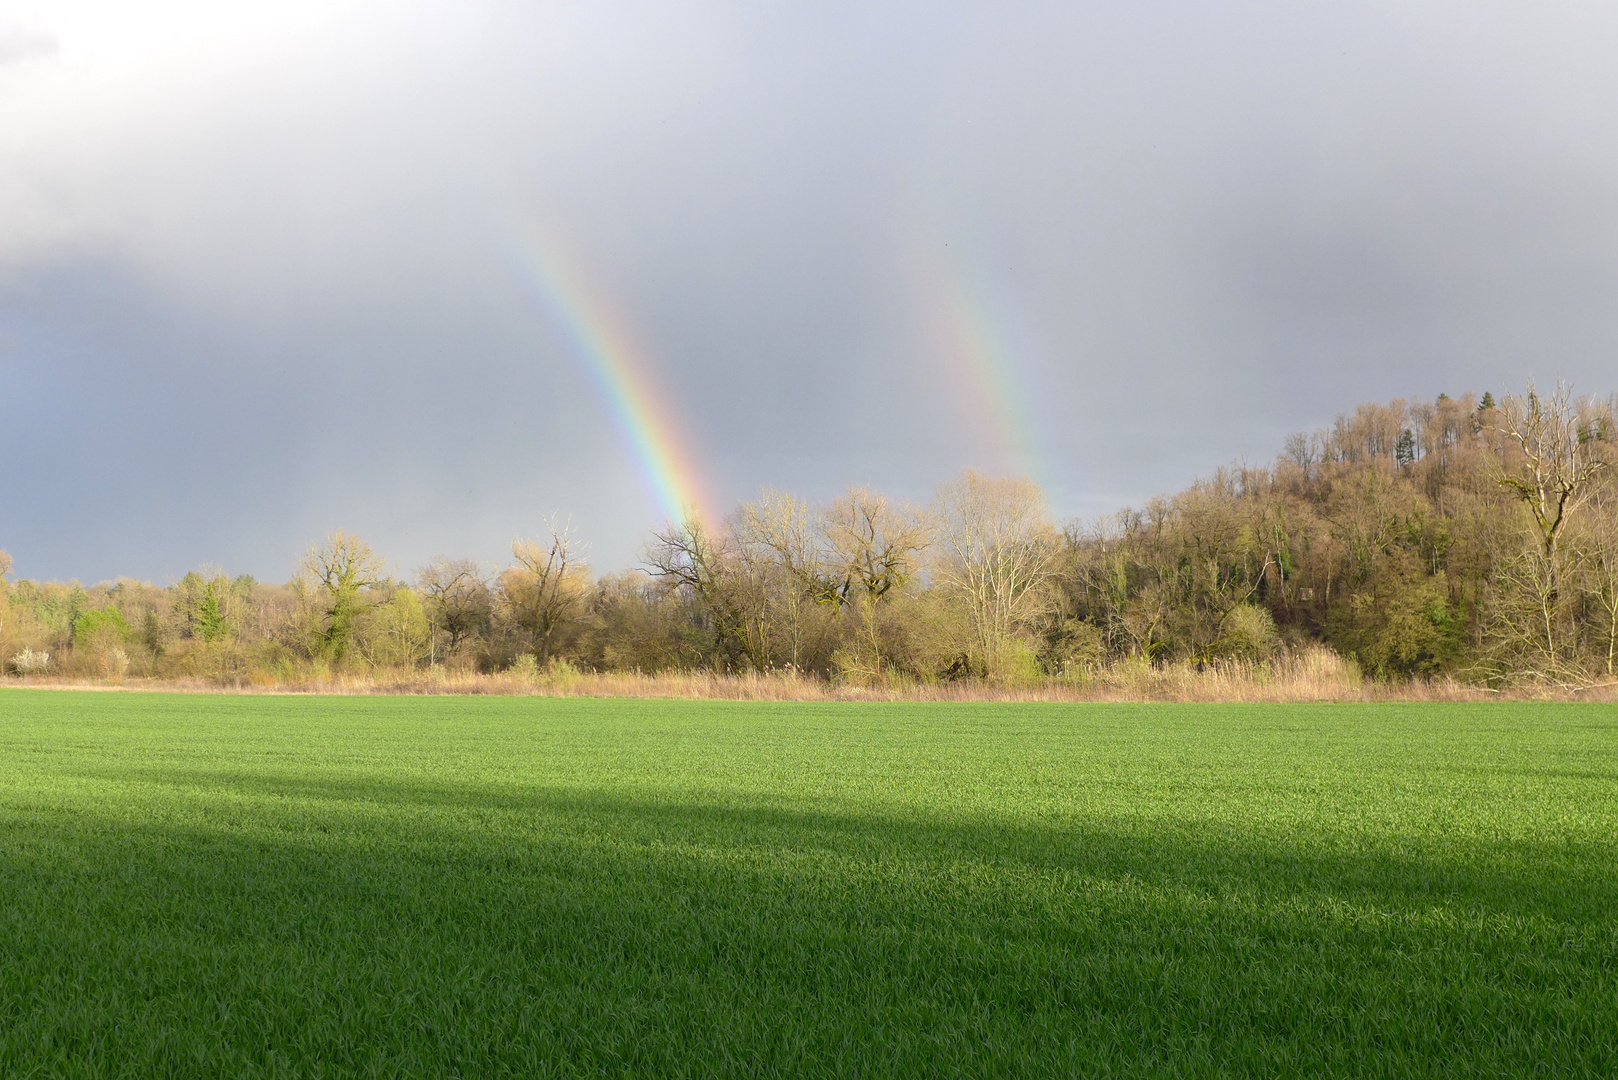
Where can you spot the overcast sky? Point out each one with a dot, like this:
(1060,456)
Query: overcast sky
(257,279)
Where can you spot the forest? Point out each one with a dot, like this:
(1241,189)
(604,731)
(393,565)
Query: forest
(1463,538)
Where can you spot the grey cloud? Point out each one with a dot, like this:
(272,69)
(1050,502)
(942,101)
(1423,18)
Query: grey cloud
(1201,227)
(18,45)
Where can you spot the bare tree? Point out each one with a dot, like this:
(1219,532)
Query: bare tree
(874,546)
(1598,573)
(776,544)
(1303,450)
(1561,448)
(457,599)
(691,558)
(331,580)
(998,551)
(546,587)
(1556,451)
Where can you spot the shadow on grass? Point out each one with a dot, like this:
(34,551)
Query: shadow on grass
(284,925)
(1553,879)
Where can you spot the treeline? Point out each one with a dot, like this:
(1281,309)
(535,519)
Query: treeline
(1458,537)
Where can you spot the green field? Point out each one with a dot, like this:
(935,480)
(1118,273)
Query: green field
(304,886)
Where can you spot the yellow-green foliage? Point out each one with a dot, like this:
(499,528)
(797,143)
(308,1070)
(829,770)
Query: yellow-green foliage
(394,633)
(1248,633)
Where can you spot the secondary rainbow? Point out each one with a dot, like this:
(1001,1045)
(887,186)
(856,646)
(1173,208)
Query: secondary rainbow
(600,336)
(959,317)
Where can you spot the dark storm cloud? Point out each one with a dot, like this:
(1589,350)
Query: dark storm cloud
(252,291)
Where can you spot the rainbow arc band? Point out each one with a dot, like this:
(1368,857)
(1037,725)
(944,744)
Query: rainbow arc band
(601,338)
(960,320)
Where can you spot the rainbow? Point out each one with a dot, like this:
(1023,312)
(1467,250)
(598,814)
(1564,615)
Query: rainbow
(960,322)
(600,337)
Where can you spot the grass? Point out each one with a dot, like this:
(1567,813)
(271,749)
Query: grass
(369,886)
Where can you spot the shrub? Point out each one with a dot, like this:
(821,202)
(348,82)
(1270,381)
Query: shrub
(29,662)
(1015,664)
(561,675)
(1248,633)
(100,630)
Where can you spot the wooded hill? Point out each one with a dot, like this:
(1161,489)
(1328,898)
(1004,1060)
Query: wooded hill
(1461,537)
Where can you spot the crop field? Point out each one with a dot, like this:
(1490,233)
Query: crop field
(199,885)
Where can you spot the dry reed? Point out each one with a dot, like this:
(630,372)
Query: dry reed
(1315,675)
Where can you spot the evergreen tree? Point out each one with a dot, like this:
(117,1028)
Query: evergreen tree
(1404,452)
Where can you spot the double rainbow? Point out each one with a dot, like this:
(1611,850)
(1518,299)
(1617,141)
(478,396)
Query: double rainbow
(955,308)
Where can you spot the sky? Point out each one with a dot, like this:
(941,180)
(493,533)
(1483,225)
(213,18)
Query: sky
(438,273)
